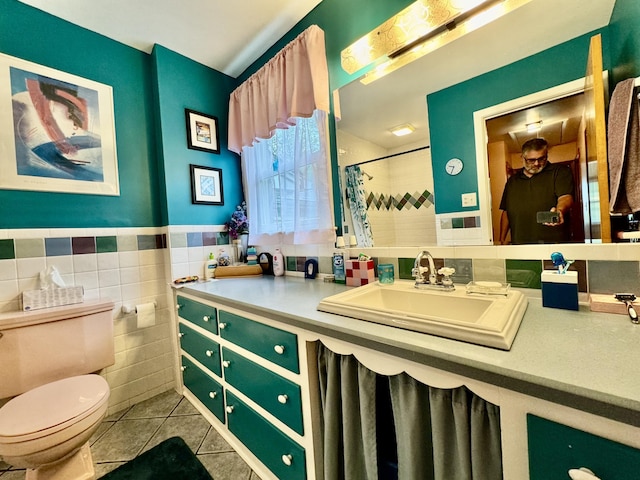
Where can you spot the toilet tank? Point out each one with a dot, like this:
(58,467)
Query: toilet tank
(45,345)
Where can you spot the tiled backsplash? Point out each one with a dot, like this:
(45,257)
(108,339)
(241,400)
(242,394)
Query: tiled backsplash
(595,276)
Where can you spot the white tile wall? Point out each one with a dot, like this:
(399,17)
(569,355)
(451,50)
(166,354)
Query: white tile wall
(144,356)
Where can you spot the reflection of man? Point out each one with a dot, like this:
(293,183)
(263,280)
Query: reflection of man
(539,186)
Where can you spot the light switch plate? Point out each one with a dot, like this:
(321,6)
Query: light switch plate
(469,199)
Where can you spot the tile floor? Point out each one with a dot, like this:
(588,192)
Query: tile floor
(126,434)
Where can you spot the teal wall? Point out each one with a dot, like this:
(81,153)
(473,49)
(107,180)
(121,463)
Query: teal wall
(451,110)
(624,29)
(35,36)
(150,94)
(182,83)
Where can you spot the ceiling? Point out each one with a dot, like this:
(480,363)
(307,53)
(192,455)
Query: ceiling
(226,35)
(369,111)
(560,123)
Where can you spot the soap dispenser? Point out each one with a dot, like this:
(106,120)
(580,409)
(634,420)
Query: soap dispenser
(210,267)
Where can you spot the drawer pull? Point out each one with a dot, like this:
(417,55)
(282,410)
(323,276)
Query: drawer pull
(178,306)
(287,460)
(279,349)
(209,353)
(213,394)
(222,325)
(183,368)
(181,335)
(206,318)
(226,363)
(283,398)
(229,409)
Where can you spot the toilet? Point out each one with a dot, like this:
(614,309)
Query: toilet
(54,400)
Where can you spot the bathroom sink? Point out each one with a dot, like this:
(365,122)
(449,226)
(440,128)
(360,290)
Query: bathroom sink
(489,320)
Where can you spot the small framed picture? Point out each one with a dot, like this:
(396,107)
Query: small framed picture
(206,185)
(202,132)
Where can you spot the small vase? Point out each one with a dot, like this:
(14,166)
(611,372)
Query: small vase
(240,246)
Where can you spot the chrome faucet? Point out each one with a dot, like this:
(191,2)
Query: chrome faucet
(427,277)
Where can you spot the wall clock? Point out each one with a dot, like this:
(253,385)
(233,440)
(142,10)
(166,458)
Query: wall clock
(454,166)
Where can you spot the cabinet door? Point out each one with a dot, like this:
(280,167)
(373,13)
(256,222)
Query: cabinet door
(554,449)
(205,388)
(203,349)
(198,313)
(284,457)
(275,345)
(277,395)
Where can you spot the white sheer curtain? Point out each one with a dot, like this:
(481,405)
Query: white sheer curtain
(287,185)
(278,122)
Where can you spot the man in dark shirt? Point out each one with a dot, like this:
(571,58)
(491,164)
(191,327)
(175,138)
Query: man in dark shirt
(539,186)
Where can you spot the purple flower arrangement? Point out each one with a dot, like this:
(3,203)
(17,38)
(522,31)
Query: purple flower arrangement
(238,224)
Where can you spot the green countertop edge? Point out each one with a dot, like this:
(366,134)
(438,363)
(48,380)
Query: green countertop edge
(581,359)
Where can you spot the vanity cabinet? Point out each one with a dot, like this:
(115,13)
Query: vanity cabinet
(284,457)
(246,371)
(273,344)
(204,387)
(555,448)
(255,377)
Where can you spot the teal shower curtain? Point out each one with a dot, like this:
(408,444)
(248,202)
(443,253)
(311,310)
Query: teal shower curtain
(441,434)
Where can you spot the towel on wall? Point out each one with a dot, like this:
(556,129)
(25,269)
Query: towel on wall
(624,149)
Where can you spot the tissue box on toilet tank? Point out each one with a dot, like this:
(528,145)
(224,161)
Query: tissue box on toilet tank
(559,290)
(51,297)
(360,272)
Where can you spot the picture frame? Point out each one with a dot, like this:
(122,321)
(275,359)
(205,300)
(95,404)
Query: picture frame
(57,131)
(202,131)
(206,185)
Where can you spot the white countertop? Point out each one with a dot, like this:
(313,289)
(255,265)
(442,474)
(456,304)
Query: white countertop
(581,359)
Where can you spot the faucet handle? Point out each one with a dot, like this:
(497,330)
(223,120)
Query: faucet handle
(446,271)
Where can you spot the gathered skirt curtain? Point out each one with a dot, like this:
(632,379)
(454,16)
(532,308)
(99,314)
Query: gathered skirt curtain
(294,83)
(441,434)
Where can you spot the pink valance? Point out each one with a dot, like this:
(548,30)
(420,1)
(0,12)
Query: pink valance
(294,83)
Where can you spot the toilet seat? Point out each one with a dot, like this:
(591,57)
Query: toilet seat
(52,407)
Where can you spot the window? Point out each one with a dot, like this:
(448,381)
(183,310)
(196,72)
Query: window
(287,184)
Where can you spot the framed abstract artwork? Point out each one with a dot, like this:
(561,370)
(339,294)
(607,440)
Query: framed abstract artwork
(57,131)
(206,185)
(202,132)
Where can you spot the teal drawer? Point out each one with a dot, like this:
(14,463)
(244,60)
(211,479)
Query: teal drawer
(203,349)
(555,448)
(202,315)
(284,457)
(275,345)
(277,395)
(205,388)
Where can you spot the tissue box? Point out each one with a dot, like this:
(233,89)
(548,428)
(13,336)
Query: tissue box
(560,290)
(360,272)
(51,297)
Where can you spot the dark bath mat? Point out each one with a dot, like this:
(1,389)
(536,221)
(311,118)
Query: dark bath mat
(169,460)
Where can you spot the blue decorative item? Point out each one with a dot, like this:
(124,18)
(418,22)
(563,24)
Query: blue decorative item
(558,261)
(560,289)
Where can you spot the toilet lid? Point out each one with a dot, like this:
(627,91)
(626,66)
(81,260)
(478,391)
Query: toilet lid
(52,404)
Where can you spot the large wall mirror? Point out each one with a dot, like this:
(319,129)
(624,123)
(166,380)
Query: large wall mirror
(394,173)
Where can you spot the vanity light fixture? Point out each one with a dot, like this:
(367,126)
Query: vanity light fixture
(419,29)
(402,130)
